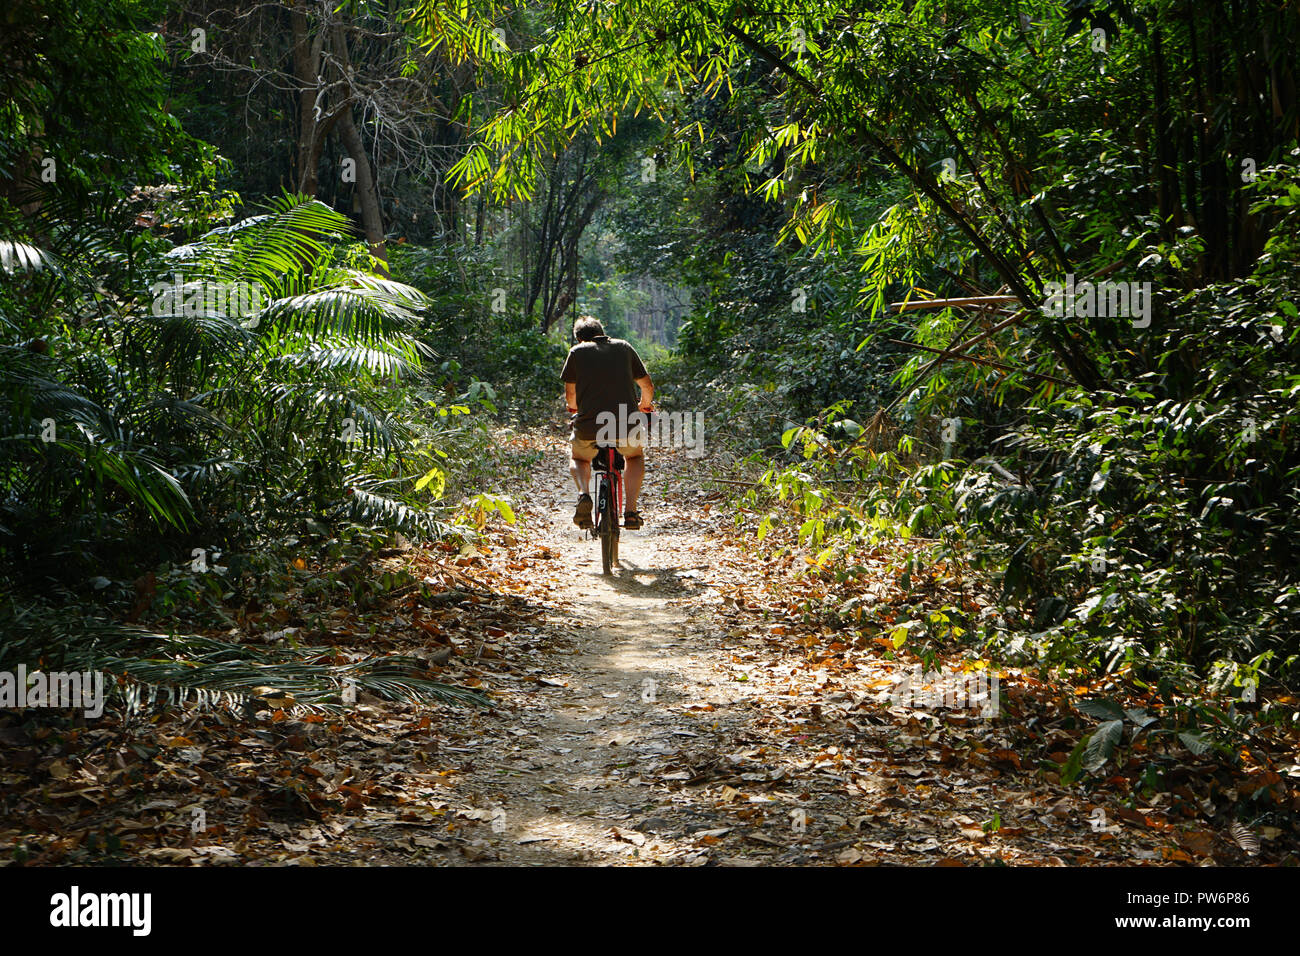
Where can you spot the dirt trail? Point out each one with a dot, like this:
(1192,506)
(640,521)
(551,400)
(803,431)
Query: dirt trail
(637,681)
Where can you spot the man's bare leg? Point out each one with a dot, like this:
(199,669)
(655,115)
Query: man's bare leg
(580,470)
(633,473)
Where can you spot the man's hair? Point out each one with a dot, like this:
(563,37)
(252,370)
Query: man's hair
(587,328)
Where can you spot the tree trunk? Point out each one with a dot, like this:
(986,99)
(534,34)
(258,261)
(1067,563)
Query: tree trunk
(312,125)
(372,218)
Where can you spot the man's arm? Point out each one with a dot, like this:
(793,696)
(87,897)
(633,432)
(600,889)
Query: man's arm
(641,377)
(569,375)
(647,393)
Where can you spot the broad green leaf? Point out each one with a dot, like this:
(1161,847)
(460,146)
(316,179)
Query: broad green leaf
(1101,708)
(1074,766)
(435,479)
(1102,744)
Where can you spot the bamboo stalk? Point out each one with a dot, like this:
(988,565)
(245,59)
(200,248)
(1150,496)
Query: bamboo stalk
(948,353)
(975,300)
(965,346)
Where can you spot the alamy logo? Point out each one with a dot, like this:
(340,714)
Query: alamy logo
(54,689)
(1105,299)
(664,430)
(75,908)
(240,300)
(955,690)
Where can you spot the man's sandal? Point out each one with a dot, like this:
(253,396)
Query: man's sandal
(582,517)
(632,520)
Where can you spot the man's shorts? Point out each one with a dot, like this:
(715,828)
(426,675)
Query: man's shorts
(585,449)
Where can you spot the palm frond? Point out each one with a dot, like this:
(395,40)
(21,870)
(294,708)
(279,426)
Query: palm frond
(169,668)
(369,507)
(355,359)
(350,310)
(17,256)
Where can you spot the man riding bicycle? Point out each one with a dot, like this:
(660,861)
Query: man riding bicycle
(600,378)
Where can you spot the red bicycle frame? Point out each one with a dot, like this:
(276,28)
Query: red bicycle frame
(616,487)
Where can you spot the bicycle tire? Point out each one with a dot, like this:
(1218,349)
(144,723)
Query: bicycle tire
(608,541)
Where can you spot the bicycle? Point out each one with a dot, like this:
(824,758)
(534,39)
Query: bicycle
(608,466)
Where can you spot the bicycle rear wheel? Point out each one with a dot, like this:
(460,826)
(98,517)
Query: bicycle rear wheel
(607,553)
(606,527)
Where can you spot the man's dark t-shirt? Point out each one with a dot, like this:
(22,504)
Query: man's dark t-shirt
(605,372)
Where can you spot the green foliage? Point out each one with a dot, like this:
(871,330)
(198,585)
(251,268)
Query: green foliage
(482,506)
(66,66)
(1159,517)
(475,343)
(246,381)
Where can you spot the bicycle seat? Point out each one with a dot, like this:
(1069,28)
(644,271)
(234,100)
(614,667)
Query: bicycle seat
(601,462)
